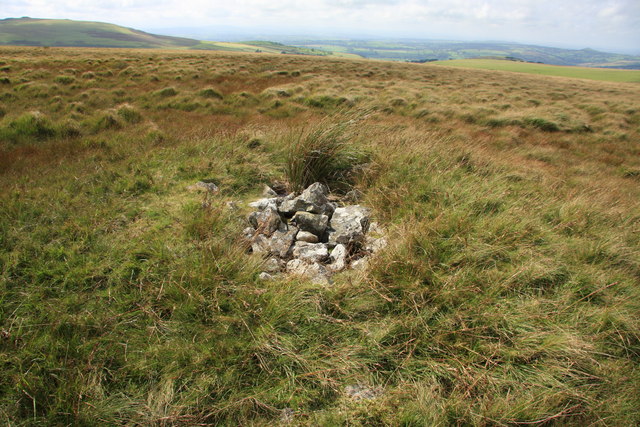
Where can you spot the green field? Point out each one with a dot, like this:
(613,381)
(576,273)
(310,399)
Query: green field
(602,74)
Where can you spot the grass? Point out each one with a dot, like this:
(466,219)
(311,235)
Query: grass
(508,294)
(324,153)
(611,75)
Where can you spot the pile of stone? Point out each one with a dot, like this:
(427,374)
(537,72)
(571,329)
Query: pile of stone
(311,236)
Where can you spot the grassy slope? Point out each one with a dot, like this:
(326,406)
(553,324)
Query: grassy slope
(630,76)
(509,294)
(63,32)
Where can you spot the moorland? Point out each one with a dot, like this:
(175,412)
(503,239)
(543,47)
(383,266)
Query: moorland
(508,295)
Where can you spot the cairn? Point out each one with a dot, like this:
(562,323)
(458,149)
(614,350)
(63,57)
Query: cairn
(311,236)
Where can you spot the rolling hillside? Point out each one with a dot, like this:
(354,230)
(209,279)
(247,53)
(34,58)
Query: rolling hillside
(68,33)
(63,32)
(431,50)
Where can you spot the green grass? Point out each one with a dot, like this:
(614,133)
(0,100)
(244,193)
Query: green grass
(508,294)
(625,76)
(323,153)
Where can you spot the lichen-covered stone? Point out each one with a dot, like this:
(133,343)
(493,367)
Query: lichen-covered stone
(360,264)
(268,191)
(273,265)
(313,199)
(260,245)
(361,392)
(316,272)
(374,245)
(310,252)
(313,223)
(338,258)
(348,224)
(281,242)
(264,276)
(266,221)
(262,204)
(208,187)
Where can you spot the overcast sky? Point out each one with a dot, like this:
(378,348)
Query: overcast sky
(612,25)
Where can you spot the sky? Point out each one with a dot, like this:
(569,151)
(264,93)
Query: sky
(612,25)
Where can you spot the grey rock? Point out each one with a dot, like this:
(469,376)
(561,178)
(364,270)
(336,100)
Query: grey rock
(349,224)
(260,245)
(376,230)
(313,199)
(374,245)
(287,415)
(232,206)
(338,258)
(317,273)
(269,192)
(291,206)
(263,204)
(265,276)
(208,187)
(361,392)
(315,194)
(273,265)
(253,218)
(305,236)
(310,252)
(280,188)
(360,263)
(281,242)
(266,221)
(313,223)
(353,196)
(248,232)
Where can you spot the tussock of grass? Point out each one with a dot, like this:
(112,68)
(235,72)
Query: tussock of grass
(542,124)
(32,126)
(129,114)
(65,80)
(166,92)
(322,153)
(210,93)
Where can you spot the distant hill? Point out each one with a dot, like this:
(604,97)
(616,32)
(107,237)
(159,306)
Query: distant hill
(64,32)
(425,51)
